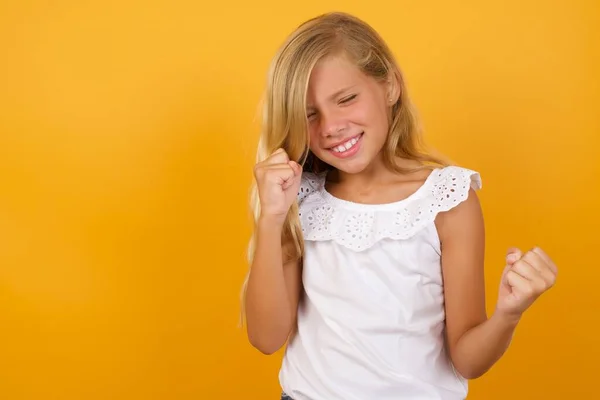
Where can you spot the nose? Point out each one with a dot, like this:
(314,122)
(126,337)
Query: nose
(332,123)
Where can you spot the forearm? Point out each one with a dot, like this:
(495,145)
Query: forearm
(481,347)
(268,310)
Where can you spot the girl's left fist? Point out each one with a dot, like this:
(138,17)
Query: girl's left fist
(524,279)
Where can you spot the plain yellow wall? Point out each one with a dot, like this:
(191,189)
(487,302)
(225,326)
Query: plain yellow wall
(127,136)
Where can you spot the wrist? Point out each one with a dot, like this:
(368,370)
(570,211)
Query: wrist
(270,222)
(508,320)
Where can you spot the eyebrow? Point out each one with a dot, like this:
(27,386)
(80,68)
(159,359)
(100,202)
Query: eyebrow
(335,94)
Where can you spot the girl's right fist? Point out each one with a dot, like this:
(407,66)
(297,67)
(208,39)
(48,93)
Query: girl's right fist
(278,181)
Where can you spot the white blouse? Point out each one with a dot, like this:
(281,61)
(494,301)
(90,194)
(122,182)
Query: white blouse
(371,321)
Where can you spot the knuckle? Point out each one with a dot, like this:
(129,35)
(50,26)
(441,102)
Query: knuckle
(259,170)
(280,153)
(529,256)
(539,250)
(541,286)
(520,265)
(529,290)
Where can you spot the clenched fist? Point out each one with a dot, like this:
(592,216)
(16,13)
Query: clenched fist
(525,278)
(278,181)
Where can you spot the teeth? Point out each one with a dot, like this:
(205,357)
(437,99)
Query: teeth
(345,146)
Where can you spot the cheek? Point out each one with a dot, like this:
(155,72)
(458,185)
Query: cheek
(312,130)
(378,115)
(313,135)
(370,113)
(317,151)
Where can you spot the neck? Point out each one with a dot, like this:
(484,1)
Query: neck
(375,171)
(374,174)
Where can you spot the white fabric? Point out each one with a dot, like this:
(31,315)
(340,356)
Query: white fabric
(371,323)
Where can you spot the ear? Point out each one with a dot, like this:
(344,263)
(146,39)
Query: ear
(394,89)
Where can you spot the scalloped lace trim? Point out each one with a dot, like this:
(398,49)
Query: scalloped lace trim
(360,226)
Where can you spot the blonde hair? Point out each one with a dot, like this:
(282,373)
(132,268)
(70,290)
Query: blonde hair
(284,122)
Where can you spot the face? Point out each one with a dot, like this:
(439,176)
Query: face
(347,115)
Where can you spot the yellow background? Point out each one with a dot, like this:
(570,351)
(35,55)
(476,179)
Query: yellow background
(127,136)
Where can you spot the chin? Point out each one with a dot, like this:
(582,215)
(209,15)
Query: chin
(350,166)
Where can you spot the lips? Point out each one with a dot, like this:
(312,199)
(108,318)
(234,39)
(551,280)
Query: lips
(347,148)
(346,145)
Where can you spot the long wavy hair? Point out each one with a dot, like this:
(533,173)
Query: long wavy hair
(284,120)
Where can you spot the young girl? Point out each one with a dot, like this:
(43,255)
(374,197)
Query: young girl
(368,253)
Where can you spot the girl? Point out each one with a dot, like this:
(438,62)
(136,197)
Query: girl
(367,255)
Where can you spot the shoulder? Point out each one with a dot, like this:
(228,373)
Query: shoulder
(456,193)
(455,180)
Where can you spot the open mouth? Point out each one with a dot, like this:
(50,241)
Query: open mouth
(347,146)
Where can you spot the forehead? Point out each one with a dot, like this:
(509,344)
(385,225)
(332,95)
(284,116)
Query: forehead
(333,74)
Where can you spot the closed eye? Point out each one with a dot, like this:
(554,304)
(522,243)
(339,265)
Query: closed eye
(312,114)
(348,99)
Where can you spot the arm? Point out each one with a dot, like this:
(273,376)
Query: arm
(273,286)
(273,290)
(475,342)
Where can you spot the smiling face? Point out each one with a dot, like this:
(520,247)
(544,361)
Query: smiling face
(348,115)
